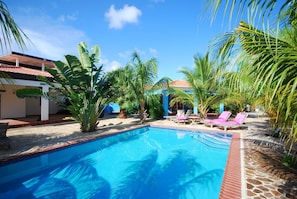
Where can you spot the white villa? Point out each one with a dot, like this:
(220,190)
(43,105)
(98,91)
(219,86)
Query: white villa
(23,71)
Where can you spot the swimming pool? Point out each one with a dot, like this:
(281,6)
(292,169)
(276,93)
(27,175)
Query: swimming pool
(147,162)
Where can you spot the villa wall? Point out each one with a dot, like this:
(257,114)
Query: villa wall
(33,106)
(11,105)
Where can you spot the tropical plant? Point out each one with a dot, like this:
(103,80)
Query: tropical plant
(124,98)
(83,84)
(238,84)
(11,32)
(272,61)
(156,110)
(204,81)
(261,8)
(135,82)
(274,58)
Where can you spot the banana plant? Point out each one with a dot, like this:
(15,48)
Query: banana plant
(82,84)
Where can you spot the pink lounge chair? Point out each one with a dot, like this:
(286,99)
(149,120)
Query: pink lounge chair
(236,122)
(183,118)
(224,116)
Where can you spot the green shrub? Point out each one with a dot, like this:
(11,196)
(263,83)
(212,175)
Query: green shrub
(289,161)
(156,112)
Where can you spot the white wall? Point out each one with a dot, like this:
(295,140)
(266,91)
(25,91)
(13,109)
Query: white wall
(11,105)
(33,106)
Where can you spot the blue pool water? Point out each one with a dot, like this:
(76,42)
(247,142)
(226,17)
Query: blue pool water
(144,163)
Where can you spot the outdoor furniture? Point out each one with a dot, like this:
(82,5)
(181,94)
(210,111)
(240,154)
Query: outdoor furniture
(173,117)
(169,117)
(195,119)
(236,122)
(183,118)
(224,116)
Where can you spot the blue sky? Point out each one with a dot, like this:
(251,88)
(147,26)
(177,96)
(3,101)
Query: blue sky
(172,31)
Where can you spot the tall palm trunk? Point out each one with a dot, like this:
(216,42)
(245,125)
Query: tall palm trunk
(142,112)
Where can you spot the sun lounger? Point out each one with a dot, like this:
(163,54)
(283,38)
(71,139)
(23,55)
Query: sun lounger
(236,122)
(183,118)
(224,116)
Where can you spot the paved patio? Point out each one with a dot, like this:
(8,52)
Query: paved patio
(264,175)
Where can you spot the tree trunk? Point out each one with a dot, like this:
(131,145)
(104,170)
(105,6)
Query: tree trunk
(142,113)
(123,113)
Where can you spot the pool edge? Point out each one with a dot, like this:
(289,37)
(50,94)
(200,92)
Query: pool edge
(231,187)
(19,157)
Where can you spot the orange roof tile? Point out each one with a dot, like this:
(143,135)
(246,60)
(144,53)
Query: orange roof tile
(180,84)
(23,70)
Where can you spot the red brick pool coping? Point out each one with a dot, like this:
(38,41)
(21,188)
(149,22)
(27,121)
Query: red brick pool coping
(231,186)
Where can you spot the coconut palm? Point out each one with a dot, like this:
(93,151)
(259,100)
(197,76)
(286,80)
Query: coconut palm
(238,84)
(11,32)
(124,98)
(273,56)
(263,8)
(136,83)
(204,85)
(83,84)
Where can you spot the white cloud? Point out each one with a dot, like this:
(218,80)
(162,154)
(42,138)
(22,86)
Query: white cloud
(50,38)
(110,66)
(64,18)
(118,18)
(152,51)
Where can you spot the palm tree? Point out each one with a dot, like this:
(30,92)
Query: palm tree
(11,32)
(124,98)
(204,82)
(238,84)
(263,8)
(135,84)
(83,84)
(273,57)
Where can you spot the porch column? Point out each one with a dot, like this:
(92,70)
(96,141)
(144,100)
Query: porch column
(195,106)
(44,104)
(165,102)
(221,107)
